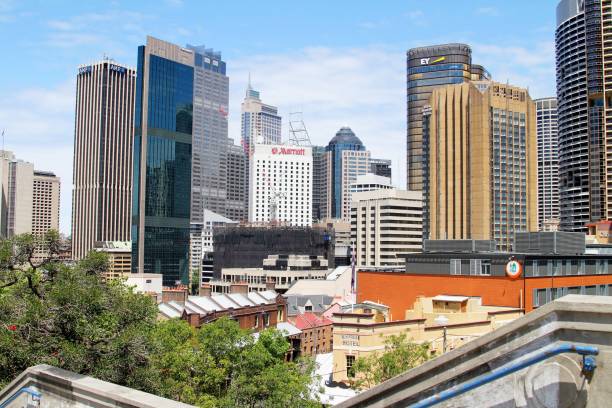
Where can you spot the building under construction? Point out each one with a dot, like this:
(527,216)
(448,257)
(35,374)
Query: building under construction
(248,246)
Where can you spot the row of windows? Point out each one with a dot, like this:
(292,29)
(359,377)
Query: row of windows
(476,267)
(543,296)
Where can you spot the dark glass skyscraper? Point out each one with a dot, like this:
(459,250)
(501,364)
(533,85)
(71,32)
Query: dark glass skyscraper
(428,68)
(319,183)
(584,95)
(162,161)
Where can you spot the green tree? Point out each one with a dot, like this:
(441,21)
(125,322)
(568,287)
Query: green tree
(400,355)
(68,317)
(223,365)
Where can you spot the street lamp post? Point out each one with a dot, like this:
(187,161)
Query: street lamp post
(442,321)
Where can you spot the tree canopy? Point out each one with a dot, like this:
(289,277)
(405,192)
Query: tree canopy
(69,317)
(400,355)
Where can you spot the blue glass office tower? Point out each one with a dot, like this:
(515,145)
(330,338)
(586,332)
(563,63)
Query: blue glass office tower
(344,140)
(162,161)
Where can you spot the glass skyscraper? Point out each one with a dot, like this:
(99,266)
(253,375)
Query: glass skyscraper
(584,111)
(428,68)
(162,161)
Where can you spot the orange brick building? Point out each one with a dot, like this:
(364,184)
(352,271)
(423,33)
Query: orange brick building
(542,278)
(316,336)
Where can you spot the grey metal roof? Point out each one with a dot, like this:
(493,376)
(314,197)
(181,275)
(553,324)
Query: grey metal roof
(296,303)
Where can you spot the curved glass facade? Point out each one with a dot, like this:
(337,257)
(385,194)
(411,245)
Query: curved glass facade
(164,121)
(428,68)
(584,115)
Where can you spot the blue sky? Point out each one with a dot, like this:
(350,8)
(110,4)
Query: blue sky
(340,62)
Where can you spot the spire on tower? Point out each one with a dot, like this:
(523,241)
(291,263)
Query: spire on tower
(250,93)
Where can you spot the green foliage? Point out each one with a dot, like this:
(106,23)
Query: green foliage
(400,355)
(222,365)
(68,317)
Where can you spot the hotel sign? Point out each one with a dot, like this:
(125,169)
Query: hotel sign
(350,340)
(288,151)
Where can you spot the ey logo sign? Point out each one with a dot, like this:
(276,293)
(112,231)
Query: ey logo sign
(427,61)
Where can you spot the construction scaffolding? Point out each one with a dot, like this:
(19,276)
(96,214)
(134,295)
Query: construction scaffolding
(298,135)
(248,246)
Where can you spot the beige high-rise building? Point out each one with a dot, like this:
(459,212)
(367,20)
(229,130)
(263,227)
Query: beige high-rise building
(103,145)
(30,199)
(481,181)
(20,190)
(45,202)
(119,258)
(386,223)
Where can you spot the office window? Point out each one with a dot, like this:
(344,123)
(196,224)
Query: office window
(485,268)
(455,266)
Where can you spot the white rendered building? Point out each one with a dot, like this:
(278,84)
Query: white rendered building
(370,182)
(280,185)
(385,224)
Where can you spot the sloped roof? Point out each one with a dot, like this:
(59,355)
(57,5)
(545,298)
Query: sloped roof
(296,303)
(310,320)
(216,303)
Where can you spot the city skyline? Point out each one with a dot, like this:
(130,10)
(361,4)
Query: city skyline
(317,66)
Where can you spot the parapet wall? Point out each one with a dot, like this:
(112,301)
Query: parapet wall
(61,388)
(554,382)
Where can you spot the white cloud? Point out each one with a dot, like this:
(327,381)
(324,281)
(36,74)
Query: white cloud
(39,127)
(530,66)
(415,15)
(488,11)
(96,29)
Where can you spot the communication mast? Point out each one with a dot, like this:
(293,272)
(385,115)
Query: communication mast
(298,135)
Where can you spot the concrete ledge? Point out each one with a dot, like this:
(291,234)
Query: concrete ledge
(578,319)
(67,389)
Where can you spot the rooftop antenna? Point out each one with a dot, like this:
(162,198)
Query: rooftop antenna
(3,141)
(298,135)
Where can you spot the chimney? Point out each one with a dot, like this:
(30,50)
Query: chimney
(178,294)
(205,289)
(239,287)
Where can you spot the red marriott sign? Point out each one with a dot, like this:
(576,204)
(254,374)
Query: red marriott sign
(288,151)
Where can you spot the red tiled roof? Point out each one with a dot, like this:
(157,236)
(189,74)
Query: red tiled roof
(309,320)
